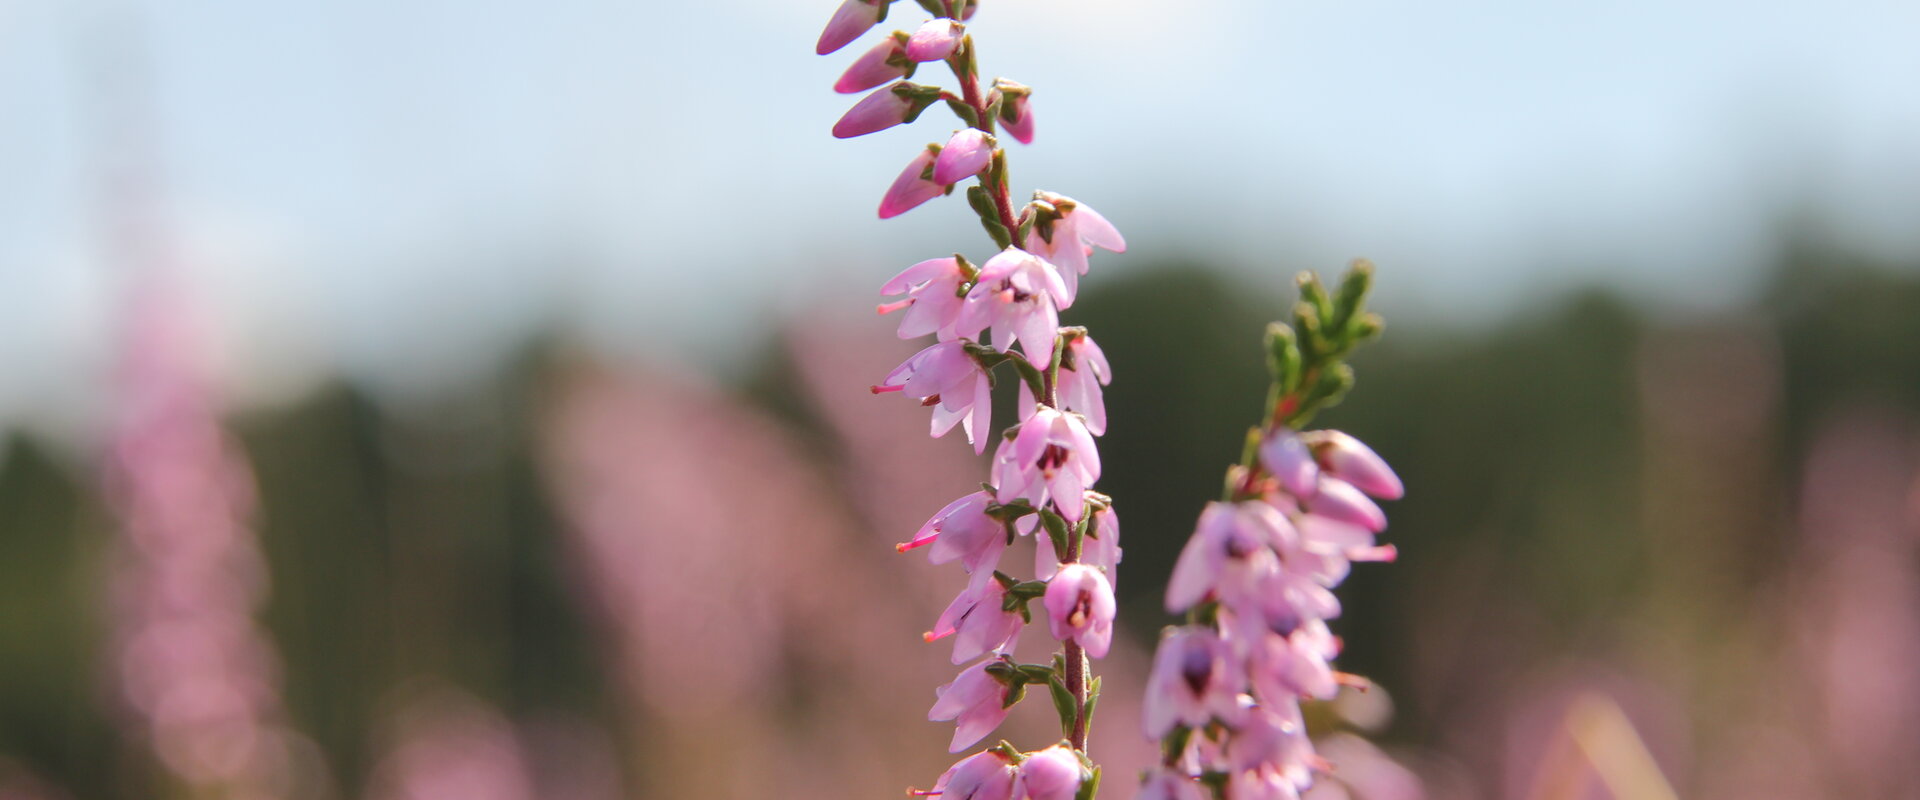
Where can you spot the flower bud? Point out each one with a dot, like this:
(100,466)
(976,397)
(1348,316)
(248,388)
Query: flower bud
(1286,455)
(986,775)
(1016,111)
(935,40)
(1336,499)
(851,19)
(886,61)
(1354,462)
(965,155)
(1052,774)
(913,186)
(885,108)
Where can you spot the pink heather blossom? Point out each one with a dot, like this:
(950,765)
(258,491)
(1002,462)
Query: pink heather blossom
(1231,540)
(1051,774)
(1285,455)
(1286,668)
(1338,500)
(1190,684)
(851,19)
(1016,117)
(1019,297)
(1083,371)
(884,108)
(947,378)
(965,155)
(977,620)
(975,700)
(1071,238)
(911,187)
(963,530)
(1101,547)
(1165,784)
(1262,784)
(1273,735)
(1080,607)
(1325,536)
(1348,459)
(1051,456)
(981,776)
(885,62)
(933,299)
(936,39)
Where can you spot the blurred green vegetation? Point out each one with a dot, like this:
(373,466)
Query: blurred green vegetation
(419,539)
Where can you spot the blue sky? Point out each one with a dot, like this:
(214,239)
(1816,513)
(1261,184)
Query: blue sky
(396,189)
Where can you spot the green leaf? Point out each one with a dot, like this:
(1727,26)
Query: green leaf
(1283,356)
(1352,295)
(1056,531)
(1018,694)
(982,204)
(1063,703)
(1093,698)
(1090,787)
(1037,673)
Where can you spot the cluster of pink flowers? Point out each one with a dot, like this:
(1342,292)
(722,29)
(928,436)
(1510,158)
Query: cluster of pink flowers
(194,666)
(1045,466)
(1255,579)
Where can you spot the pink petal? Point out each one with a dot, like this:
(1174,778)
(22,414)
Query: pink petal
(918,274)
(1356,463)
(1089,225)
(1022,129)
(1337,499)
(979,425)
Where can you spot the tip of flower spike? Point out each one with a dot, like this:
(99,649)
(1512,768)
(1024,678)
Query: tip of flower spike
(929,637)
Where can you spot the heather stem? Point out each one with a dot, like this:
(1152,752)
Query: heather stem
(970,94)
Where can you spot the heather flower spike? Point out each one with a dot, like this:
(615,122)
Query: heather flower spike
(1003,314)
(1255,581)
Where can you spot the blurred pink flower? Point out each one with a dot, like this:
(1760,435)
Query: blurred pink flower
(1051,774)
(193,665)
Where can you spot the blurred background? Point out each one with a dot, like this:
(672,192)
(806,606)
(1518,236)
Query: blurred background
(433,399)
